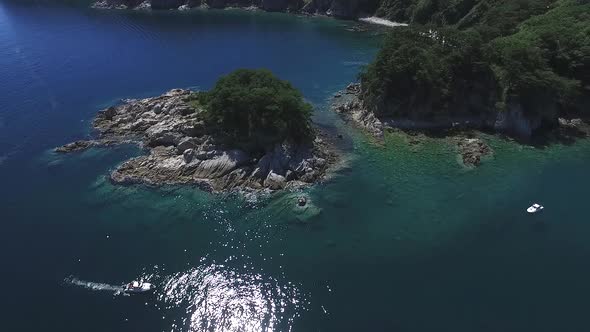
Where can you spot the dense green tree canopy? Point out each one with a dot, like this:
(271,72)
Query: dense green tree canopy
(256,108)
(532,52)
(499,15)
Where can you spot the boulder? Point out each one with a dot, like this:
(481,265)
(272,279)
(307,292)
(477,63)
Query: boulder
(187,143)
(109,113)
(188,155)
(275,181)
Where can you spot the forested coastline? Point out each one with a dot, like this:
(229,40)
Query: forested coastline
(529,59)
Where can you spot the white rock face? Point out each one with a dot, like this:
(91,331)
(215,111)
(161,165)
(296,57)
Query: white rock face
(275,181)
(221,165)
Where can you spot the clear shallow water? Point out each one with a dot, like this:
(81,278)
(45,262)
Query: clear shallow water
(402,240)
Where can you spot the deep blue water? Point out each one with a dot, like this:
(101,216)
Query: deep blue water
(403,239)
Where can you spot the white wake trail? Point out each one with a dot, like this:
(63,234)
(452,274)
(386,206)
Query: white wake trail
(95,286)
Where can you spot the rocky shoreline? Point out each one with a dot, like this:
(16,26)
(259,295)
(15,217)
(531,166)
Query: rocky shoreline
(347,103)
(344,9)
(182,149)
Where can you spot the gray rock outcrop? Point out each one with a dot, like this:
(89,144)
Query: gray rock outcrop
(472,150)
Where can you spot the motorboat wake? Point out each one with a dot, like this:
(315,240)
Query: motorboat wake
(95,286)
(134,287)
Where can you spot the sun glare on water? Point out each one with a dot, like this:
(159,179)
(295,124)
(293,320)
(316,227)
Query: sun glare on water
(218,299)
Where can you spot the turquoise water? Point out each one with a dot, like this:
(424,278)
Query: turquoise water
(402,239)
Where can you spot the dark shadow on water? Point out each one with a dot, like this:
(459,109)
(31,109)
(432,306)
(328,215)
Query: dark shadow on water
(330,133)
(563,135)
(439,133)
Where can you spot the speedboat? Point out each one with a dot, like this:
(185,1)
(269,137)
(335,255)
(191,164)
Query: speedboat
(136,287)
(535,208)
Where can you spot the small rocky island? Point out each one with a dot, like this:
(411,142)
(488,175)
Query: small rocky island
(251,131)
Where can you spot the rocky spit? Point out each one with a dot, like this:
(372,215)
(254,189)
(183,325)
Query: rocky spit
(181,149)
(348,104)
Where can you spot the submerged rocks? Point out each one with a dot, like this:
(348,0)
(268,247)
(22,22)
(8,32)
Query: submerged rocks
(472,150)
(74,146)
(183,150)
(301,201)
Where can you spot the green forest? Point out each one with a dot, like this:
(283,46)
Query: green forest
(470,56)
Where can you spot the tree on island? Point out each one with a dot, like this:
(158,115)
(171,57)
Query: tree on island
(256,109)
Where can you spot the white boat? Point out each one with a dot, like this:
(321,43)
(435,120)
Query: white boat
(535,208)
(135,287)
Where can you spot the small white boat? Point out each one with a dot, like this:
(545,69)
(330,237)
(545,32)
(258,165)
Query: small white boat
(535,208)
(135,287)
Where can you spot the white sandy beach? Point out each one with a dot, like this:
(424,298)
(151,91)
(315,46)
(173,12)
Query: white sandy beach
(382,21)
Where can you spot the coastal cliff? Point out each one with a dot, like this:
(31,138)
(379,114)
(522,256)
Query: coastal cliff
(511,121)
